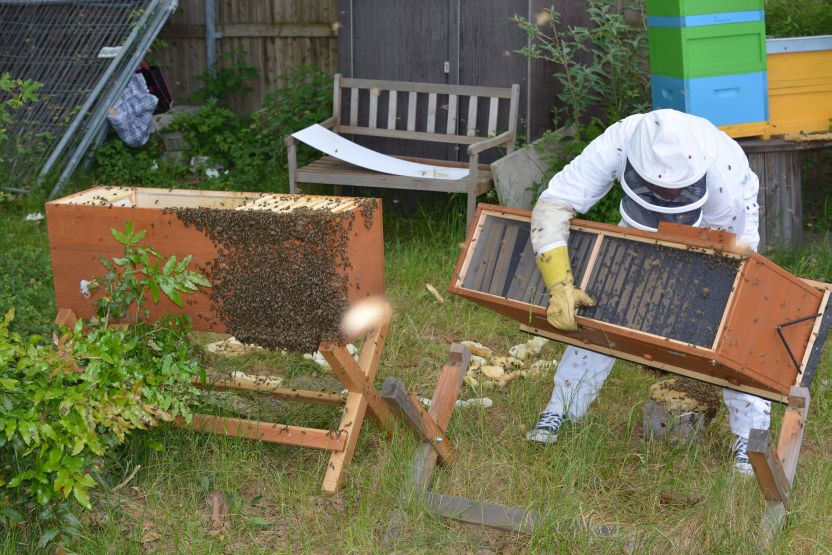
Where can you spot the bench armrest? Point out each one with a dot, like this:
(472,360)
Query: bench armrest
(505,137)
(329,123)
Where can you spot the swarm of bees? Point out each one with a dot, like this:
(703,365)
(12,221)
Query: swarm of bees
(276,281)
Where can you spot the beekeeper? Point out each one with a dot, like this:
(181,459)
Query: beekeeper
(673,167)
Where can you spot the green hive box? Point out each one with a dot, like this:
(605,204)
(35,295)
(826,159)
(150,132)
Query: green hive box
(680,8)
(707,50)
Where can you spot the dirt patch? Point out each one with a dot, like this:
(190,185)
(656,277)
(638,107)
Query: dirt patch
(278,278)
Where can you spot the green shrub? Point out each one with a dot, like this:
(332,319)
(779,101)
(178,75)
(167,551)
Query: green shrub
(66,403)
(249,150)
(594,95)
(221,83)
(798,18)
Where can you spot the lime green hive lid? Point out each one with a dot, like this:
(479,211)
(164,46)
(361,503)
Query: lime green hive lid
(680,8)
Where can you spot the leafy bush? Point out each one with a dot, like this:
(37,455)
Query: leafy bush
(16,93)
(220,83)
(798,18)
(117,164)
(249,148)
(65,404)
(594,95)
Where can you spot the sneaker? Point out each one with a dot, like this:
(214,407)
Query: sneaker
(547,428)
(742,465)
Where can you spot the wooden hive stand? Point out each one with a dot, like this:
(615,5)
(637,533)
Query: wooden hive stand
(357,378)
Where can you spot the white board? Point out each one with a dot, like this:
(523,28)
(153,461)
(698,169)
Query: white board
(323,139)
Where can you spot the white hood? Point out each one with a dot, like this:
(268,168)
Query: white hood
(664,150)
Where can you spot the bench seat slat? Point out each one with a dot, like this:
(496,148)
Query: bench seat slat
(332,171)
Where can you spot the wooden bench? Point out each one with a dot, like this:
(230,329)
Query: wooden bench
(455,114)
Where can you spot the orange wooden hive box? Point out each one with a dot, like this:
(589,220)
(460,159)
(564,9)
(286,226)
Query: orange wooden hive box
(80,231)
(685,300)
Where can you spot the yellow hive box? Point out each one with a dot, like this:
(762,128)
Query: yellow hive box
(799,89)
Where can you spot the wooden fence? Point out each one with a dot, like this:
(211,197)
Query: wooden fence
(277,35)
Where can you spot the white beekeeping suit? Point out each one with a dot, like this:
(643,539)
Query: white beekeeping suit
(672,167)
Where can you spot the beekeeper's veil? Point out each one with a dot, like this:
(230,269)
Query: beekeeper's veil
(664,179)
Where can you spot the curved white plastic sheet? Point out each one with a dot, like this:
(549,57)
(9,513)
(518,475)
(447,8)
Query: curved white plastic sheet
(323,139)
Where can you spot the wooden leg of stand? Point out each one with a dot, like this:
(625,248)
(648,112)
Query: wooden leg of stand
(441,408)
(409,409)
(358,378)
(775,470)
(354,411)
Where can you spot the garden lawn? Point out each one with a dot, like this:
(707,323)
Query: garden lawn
(661,497)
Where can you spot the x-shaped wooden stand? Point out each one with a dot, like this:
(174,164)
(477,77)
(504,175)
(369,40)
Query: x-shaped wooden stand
(357,378)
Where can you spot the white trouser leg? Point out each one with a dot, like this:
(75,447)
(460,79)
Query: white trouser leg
(746,411)
(578,379)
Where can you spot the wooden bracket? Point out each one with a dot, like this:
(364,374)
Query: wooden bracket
(407,406)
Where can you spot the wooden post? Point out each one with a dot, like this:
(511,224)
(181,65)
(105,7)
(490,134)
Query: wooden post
(767,467)
(292,154)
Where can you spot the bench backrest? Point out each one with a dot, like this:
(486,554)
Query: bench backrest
(423,111)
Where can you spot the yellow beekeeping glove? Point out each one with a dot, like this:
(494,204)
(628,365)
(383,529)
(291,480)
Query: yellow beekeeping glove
(564,297)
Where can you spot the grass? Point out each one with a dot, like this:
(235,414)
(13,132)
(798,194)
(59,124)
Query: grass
(662,497)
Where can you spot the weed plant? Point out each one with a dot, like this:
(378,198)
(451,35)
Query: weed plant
(613,84)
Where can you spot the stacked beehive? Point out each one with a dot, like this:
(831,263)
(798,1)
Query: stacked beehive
(708,58)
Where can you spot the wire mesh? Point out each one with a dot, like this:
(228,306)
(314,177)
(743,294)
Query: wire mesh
(78,50)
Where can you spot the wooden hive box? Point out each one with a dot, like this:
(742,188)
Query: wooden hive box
(79,231)
(684,300)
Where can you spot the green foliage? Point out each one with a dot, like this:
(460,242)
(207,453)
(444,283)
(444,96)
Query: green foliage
(131,277)
(249,148)
(16,94)
(117,164)
(64,405)
(798,18)
(221,83)
(595,94)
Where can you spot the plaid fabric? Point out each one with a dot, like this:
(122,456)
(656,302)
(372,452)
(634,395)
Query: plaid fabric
(130,116)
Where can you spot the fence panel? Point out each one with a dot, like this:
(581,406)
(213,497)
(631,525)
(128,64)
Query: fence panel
(277,35)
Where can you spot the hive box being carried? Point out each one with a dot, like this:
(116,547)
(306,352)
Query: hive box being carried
(685,299)
(283,268)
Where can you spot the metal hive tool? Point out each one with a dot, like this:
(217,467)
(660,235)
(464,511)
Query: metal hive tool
(684,300)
